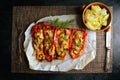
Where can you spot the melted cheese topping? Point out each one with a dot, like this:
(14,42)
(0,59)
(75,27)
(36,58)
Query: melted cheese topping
(38,45)
(77,42)
(48,42)
(62,43)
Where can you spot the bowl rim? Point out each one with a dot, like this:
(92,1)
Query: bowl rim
(105,6)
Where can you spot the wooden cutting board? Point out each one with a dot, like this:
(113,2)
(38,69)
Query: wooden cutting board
(23,16)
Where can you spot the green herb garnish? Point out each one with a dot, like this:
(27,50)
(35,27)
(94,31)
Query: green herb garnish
(47,41)
(78,43)
(58,23)
(65,38)
(36,41)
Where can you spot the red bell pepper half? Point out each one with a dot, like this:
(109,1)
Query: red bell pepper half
(37,41)
(62,42)
(49,44)
(77,42)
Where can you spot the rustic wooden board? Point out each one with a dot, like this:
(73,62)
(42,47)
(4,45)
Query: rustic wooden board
(25,15)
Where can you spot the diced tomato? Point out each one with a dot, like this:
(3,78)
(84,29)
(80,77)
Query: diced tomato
(62,57)
(49,58)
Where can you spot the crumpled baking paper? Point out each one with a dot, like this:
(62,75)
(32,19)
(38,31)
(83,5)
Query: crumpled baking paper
(68,63)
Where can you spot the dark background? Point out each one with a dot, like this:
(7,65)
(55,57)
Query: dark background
(5,39)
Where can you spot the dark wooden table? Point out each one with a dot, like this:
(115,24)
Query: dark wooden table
(23,16)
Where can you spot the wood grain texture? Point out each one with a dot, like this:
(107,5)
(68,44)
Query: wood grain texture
(23,16)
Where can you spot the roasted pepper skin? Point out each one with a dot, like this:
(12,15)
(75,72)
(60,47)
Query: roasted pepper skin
(73,56)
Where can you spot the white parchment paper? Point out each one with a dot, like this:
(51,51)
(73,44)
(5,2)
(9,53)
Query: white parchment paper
(68,63)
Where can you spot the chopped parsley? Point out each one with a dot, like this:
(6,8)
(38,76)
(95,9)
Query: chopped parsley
(47,41)
(36,41)
(78,43)
(65,38)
